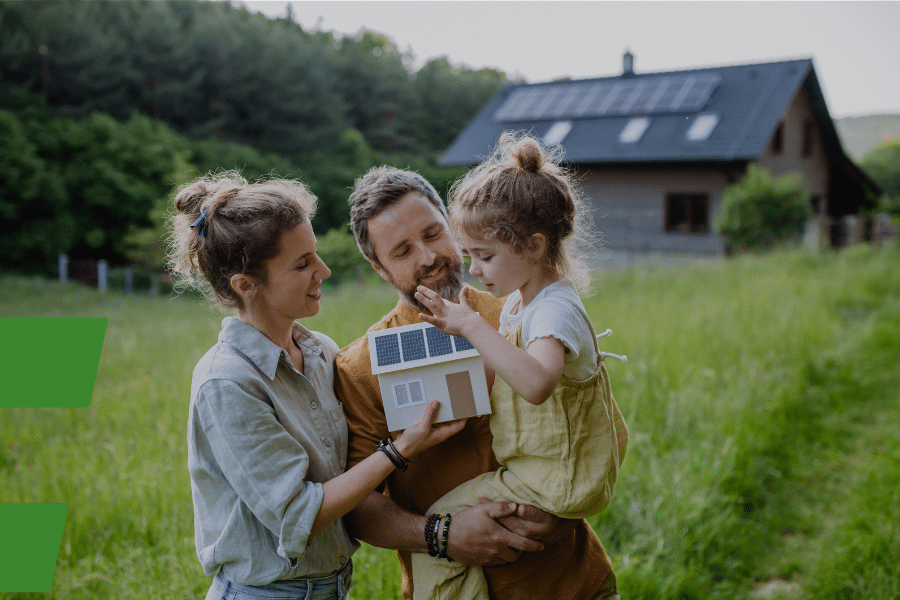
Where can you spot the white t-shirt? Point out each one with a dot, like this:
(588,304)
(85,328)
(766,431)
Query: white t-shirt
(557,311)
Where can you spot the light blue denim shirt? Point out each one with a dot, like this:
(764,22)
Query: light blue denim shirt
(262,438)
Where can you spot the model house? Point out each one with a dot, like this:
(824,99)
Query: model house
(654,152)
(419,363)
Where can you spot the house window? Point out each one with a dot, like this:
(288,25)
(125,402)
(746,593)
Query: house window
(778,139)
(557,132)
(687,213)
(634,130)
(702,127)
(808,128)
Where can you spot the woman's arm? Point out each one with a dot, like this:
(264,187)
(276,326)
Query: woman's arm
(532,374)
(341,494)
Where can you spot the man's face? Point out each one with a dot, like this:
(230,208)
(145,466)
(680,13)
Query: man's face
(414,247)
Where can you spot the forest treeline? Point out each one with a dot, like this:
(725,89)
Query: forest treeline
(105,106)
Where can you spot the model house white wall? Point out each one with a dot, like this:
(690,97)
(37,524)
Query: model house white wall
(418,363)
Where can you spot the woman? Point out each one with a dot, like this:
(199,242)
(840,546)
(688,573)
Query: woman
(266,435)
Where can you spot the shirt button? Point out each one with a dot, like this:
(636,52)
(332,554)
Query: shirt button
(343,559)
(328,443)
(314,405)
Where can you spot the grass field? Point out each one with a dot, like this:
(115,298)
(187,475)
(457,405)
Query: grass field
(762,396)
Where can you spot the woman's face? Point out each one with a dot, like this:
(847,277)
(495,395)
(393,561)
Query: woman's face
(294,276)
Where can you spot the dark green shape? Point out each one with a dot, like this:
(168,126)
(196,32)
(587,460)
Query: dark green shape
(49,362)
(29,545)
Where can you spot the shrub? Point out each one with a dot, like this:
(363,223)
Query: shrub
(759,212)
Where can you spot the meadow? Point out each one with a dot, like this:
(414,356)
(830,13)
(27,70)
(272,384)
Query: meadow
(762,396)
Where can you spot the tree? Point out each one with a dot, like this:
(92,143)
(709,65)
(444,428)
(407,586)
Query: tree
(759,211)
(883,164)
(35,223)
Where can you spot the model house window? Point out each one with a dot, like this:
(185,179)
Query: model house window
(808,128)
(778,139)
(687,213)
(409,393)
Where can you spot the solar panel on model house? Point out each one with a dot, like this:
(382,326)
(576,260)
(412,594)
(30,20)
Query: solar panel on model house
(408,346)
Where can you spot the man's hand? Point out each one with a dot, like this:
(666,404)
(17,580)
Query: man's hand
(535,524)
(478,539)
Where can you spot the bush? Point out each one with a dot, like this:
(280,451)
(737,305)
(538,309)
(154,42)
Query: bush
(883,164)
(759,212)
(339,251)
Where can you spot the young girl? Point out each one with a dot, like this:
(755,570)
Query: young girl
(558,433)
(266,436)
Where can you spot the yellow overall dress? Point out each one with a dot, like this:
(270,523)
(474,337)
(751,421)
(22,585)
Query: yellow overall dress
(561,456)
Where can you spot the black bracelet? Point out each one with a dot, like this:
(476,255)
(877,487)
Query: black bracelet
(402,458)
(397,462)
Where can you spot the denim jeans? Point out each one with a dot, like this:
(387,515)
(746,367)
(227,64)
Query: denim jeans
(333,587)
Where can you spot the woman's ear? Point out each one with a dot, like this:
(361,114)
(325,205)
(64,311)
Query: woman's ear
(243,285)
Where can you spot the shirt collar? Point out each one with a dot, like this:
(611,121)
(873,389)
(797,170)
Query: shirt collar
(265,353)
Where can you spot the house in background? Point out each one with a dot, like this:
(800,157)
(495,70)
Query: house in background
(654,152)
(418,363)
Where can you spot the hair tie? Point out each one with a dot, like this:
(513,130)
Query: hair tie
(202,222)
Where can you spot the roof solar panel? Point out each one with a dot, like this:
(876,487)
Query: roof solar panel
(438,342)
(387,349)
(646,95)
(413,345)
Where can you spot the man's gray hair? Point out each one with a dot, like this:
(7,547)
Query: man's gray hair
(377,190)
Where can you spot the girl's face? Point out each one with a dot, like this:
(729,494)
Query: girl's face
(497,267)
(294,277)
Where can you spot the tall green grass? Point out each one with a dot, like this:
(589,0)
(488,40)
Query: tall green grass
(761,396)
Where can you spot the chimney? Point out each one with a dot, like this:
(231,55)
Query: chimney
(627,63)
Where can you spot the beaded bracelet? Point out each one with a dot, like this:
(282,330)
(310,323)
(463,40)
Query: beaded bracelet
(444,536)
(431,529)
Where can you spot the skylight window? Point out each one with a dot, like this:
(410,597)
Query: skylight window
(702,127)
(634,130)
(557,132)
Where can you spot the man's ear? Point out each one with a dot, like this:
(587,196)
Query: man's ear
(537,245)
(379,269)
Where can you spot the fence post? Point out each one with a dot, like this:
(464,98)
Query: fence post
(128,279)
(63,268)
(102,270)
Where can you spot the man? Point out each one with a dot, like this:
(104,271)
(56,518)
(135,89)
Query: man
(400,225)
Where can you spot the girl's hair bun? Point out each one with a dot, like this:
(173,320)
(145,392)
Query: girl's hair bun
(529,155)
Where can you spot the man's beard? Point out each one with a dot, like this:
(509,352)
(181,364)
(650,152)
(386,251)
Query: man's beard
(447,287)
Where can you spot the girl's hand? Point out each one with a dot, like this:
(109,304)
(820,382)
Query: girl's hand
(449,317)
(425,434)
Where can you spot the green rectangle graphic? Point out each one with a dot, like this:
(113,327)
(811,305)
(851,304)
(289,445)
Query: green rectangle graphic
(49,362)
(29,545)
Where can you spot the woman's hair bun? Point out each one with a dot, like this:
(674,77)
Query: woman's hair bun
(529,155)
(190,198)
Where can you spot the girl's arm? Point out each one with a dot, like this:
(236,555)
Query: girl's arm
(532,374)
(341,494)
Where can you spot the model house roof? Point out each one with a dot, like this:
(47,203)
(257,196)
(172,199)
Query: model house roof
(415,345)
(710,114)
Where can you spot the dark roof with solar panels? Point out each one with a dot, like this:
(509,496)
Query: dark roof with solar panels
(710,114)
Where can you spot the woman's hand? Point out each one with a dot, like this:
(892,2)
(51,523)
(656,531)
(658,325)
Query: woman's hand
(449,317)
(425,434)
